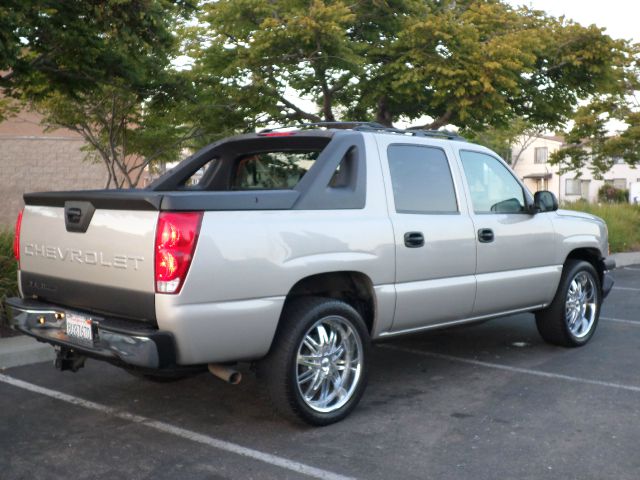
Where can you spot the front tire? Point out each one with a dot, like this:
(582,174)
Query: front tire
(571,319)
(317,367)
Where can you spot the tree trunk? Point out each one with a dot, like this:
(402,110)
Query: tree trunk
(441,121)
(327,110)
(383,114)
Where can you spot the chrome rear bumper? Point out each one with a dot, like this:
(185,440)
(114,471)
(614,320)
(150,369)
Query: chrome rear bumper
(123,342)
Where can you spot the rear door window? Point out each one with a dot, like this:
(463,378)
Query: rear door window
(421,180)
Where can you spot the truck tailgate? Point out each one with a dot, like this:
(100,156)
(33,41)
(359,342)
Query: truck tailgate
(108,268)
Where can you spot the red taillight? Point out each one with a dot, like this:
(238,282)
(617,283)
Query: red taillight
(176,238)
(16,237)
(277,134)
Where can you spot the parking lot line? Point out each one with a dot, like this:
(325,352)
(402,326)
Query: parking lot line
(631,289)
(528,371)
(178,432)
(621,320)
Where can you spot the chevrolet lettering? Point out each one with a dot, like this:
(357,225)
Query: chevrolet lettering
(83,256)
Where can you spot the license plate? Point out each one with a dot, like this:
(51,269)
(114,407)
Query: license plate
(79,327)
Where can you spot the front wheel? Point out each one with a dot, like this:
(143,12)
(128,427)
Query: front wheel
(317,367)
(571,319)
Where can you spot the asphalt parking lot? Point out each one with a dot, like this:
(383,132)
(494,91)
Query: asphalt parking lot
(483,402)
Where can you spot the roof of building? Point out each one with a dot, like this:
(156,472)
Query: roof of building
(554,138)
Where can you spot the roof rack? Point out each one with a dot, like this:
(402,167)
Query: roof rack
(337,125)
(373,127)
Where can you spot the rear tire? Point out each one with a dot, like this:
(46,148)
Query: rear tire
(317,368)
(572,317)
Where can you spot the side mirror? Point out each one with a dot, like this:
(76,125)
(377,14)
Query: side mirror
(545,201)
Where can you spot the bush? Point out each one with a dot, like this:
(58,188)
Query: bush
(610,194)
(623,221)
(8,267)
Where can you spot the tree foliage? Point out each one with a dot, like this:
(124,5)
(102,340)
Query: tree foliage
(590,144)
(77,45)
(509,141)
(470,63)
(129,133)
(102,69)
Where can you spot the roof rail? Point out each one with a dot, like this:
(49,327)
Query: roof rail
(338,125)
(373,127)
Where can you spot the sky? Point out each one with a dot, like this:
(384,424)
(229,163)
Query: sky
(619,17)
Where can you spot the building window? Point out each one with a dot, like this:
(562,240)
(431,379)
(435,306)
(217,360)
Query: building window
(541,154)
(575,186)
(584,189)
(620,183)
(572,186)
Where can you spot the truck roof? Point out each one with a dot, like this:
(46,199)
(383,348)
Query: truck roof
(372,127)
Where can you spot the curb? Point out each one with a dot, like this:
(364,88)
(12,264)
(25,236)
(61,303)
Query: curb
(626,259)
(23,350)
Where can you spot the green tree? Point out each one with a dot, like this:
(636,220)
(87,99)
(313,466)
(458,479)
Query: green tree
(129,132)
(76,45)
(470,63)
(509,141)
(590,144)
(103,69)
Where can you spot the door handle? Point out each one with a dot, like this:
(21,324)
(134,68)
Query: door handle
(413,239)
(485,235)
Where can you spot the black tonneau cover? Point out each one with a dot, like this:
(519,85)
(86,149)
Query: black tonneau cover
(172,201)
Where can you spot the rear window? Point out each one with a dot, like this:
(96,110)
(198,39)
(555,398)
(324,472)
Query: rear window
(277,170)
(248,164)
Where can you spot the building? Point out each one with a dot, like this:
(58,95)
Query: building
(530,162)
(32,159)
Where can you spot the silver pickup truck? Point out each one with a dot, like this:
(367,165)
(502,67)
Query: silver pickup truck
(292,250)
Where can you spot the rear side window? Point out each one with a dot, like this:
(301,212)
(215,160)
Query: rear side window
(421,180)
(278,170)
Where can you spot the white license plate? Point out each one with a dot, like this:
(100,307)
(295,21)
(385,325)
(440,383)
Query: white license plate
(79,327)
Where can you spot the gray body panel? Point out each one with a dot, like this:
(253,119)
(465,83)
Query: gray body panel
(247,261)
(436,282)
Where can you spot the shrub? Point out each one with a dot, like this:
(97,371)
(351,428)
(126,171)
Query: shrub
(623,221)
(610,194)
(8,267)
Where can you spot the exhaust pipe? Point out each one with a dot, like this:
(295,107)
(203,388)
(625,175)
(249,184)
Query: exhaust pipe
(225,373)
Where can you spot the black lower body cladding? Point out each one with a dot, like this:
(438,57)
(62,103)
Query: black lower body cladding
(112,301)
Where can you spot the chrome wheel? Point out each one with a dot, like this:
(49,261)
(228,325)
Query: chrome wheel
(329,364)
(581,304)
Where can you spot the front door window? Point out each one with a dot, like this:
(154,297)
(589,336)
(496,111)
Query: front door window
(493,188)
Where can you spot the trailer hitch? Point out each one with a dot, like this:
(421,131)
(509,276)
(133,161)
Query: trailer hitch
(68,359)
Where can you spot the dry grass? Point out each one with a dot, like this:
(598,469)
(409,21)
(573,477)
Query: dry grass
(622,219)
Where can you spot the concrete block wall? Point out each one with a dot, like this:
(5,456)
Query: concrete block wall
(42,163)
